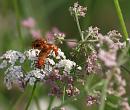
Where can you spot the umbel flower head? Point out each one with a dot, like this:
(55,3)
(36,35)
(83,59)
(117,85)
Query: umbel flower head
(113,44)
(16,75)
(55,36)
(78,10)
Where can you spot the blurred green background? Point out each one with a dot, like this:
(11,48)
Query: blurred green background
(54,13)
(49,14)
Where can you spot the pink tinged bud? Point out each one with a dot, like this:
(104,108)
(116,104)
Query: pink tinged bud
(28,23)
(55,30)
(36,34)
(53,35)
(50,37)
(72,43)
(56,71)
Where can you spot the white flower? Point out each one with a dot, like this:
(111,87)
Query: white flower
(38,73)
(48,68)
(32,80)
(66,64)
(32,54)
(14,76)
(50,61)
(3,64)
(12,56)
(79,68)
(61,55)
(33,75)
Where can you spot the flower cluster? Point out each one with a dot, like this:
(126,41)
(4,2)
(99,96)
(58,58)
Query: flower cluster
(92,65)
(78,10)
(10,57)
(109,54)
(30,24)
(98,53)
(119,82)
(14,76)
(117,87)
(92,33)
(90,100)
(124,104)
(55,68)
(55,36)
(65,79)
(101,50)
(106,46)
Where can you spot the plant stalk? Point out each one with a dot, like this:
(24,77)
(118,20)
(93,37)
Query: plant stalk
(79,28)
(17,14)
(63,98)
(121,20)
(104,92)
(32,94)
(50,103)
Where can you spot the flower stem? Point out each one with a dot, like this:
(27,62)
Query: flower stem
(104,92)
(120,16)
(71,99)
(63,97)
(32,94)
(79,28)
(37,103)
(50,103)
(16,8)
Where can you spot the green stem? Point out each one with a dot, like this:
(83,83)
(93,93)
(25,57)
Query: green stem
(104,92)
(88,83)
(20,100)
(79,28)
(50,103)
(120,16)
(63,98)
(71,99)
(30,99)
(16,8)
(37,103)
(126,69)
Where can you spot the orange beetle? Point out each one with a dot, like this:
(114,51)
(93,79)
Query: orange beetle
(45,49)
